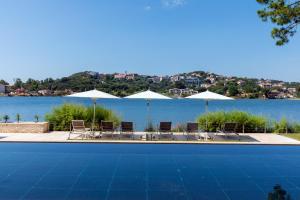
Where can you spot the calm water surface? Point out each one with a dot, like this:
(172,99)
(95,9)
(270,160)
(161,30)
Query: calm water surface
(177,111)
(146,171)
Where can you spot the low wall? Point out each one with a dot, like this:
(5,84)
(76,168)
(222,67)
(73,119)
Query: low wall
(24,127)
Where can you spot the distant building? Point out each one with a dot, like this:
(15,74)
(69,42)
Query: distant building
(241,82)
(192,81)
(2,89)
(292,90)
(182,92)
(176,78)
(120,76)
(124,76)
(265,84)
(156,79)
(130,76)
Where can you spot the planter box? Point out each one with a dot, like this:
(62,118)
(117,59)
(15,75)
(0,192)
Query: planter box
(24,127)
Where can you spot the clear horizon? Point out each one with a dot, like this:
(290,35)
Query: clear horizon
(54,38)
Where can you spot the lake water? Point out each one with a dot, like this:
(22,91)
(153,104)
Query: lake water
(177,111)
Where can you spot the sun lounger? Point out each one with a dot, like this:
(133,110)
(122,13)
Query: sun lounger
(78,127)
(230,128)
(165,130)
(127,130)
(107,130)
(192,131)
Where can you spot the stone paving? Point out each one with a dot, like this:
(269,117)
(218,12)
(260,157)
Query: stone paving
(257,138)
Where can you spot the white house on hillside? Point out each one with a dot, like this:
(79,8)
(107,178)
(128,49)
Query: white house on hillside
(2,88)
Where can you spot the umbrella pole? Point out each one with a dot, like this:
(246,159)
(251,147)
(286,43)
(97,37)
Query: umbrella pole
(94,115)
(206,111)
(148,112)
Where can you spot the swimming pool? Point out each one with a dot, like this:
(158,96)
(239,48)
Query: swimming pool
(146,171)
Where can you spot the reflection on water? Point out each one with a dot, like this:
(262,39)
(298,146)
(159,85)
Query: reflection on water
(278,193)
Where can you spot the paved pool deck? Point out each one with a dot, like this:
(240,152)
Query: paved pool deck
(62,137)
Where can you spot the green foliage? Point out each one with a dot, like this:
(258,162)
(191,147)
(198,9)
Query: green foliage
(5,118)
(150,127)
(285,14)
(101,114)
(282,126)
(233,89)
(18,117)
(214,121)
(36,117)
(179,128)
(60,118)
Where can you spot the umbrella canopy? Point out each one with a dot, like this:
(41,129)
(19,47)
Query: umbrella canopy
(207,95)
(93,94)
(148,95)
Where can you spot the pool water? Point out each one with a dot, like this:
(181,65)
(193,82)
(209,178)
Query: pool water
(146,171)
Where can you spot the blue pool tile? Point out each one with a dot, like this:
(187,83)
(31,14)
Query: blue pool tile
(267,183)
(246,194)
(128,183)
(167,195)
(19,181)
(7,169)
(92,183)
(45,194)
(130,171)
(237,183)
(165,183)
(87,195)
(163,171)
(126,195)
(260,171)
(11,193)
(204,183)
(57,182)
(99,170)
(207,194)
(66,170)
(294,193)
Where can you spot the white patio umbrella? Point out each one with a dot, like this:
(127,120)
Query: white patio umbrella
(94,95)
(148,96)
(207,96)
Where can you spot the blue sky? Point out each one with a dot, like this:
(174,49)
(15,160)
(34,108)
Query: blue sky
(55,38)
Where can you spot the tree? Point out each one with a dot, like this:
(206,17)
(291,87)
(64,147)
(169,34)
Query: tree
(18,83)
(3,82)
(285,14)
(233,89)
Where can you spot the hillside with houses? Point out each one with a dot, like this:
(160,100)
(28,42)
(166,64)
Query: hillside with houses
(178,85)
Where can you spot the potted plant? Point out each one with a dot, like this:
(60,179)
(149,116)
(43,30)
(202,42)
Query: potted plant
(36,117)
(18,117)
(5,118)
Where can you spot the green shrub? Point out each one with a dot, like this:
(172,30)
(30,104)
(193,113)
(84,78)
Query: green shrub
(6,118)
(18,117)
(295,128)
(179,128)
(150,127)
(60,118)
(214,121)
(101,114)
(282,126)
